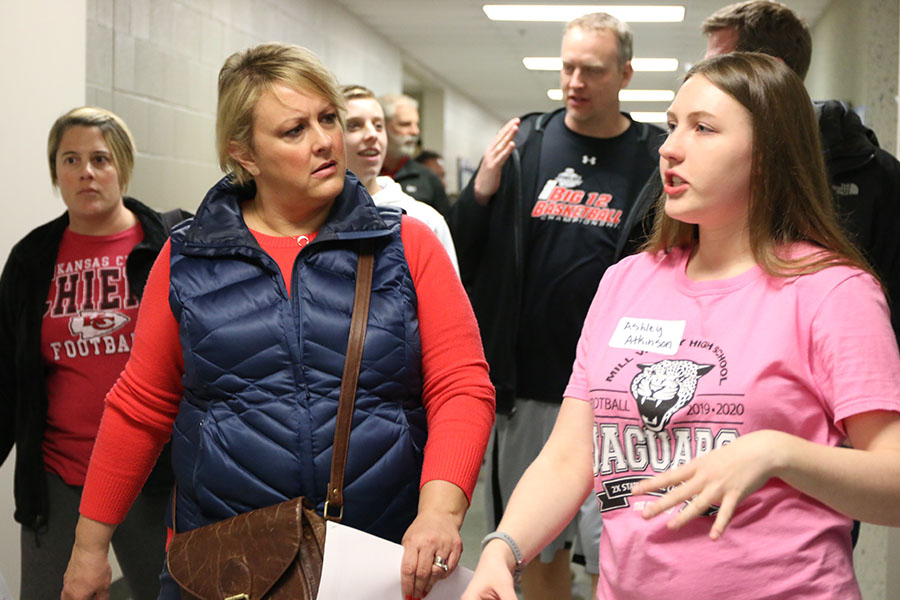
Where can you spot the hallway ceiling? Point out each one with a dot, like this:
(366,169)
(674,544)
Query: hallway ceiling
(454,41)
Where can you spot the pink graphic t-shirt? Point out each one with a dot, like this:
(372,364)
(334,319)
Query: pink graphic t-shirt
(676,368)
(86,338)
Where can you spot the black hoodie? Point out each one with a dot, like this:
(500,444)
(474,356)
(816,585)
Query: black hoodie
(866,184)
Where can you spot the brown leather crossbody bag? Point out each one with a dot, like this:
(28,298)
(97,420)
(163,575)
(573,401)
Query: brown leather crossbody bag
(276,552)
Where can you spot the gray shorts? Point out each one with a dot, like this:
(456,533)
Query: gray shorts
(515,443)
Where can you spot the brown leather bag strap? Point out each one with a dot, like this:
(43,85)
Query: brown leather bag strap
(334,501)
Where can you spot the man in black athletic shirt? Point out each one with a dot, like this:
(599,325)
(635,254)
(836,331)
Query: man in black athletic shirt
(535,230)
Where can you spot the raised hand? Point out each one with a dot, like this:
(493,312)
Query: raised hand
(487,180)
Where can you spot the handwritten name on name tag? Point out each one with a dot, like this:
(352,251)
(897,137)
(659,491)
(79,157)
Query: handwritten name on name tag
(650,335)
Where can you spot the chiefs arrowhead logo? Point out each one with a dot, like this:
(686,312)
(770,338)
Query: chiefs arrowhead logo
(94,324)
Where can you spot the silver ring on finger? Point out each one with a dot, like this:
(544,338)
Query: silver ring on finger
(441,563)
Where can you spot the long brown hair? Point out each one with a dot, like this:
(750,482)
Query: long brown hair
(790,199)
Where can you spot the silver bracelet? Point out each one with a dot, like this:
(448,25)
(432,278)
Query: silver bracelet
(517,554)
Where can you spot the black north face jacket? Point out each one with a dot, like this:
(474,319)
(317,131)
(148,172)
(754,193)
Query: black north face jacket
(865,180)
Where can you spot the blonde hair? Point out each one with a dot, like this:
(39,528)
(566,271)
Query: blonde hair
(246,76)
(115,133)
(357,92)
(601,21)
(790,200)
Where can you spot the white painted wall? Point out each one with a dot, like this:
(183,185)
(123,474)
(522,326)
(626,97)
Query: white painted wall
(467,132)
(838,70)
(855,59)
(43,69)
(882,62)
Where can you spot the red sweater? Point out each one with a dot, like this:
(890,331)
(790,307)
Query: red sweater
(141,408)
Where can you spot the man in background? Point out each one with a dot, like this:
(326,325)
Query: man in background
(402,119)
(434,162)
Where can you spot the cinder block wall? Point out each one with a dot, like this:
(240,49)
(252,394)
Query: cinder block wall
(155,63)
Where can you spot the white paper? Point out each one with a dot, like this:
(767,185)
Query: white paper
(361,566)
(650,335)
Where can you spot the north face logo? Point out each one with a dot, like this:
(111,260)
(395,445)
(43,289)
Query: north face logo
(848,188)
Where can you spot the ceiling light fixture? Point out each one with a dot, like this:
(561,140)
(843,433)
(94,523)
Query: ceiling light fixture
(628,95)
(648,117)
(654,64)
(646,95)
(554,63)
(567,12)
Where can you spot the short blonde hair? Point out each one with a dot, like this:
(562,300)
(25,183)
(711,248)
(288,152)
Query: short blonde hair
(247,75)
(601,21)
(357,92)
(115,133)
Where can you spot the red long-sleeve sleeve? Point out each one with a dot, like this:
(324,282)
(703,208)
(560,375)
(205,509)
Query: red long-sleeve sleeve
(141,407)
(458,394)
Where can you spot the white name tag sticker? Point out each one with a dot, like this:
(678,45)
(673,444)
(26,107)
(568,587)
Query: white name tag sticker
(650,335)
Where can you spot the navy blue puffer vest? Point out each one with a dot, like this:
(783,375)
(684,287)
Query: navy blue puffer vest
(263,370)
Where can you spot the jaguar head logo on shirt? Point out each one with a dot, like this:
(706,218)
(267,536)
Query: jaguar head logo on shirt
(94,324)
(663,388)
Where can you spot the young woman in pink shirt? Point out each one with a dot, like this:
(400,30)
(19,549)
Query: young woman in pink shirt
(721,371)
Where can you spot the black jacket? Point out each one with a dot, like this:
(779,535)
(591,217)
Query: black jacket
(490,244)
(24,286)
(423,185)
(866,184)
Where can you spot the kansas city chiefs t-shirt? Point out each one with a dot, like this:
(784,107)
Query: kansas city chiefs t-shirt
(86,337)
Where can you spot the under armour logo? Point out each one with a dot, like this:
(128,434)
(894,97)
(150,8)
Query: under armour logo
(585,159)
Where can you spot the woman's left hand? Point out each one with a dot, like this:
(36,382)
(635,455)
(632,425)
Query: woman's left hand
(722,478)
(433,534)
